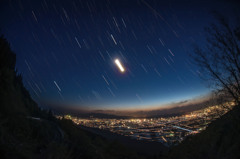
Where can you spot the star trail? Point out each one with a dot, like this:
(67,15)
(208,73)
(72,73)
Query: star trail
(108,54)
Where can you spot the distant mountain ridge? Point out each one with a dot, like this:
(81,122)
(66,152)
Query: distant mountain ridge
(110,114)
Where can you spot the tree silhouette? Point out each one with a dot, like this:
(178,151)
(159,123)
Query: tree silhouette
(219,61)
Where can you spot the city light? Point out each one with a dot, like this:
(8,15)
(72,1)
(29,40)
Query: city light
(169,131)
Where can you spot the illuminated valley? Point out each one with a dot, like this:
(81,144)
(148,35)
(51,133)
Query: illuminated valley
(169,131)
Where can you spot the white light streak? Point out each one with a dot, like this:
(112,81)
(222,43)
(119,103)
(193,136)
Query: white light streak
(161,42)
(113,39)
(78,42)
(139,98)
(34,16)
(111,92)
(119,65)
(105,80)
(57,85)
(170,52)
(124,23)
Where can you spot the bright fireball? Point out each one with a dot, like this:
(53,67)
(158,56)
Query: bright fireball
(119,65)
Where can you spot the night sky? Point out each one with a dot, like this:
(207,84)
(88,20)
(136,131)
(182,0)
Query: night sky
(66,50)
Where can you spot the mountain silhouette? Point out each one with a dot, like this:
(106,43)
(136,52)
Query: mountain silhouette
(26,131)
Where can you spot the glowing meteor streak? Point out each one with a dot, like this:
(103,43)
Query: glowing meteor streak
(119,65)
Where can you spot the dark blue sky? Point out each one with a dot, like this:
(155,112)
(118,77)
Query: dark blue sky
(66,49)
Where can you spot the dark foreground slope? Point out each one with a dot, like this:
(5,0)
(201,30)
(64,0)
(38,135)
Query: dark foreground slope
(145,148)
(221,140)
(29,132)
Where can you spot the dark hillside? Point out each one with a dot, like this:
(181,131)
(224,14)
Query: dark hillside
(14,98)
(221,140)
(26,131)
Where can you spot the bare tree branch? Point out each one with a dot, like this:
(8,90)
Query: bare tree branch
(220,60)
